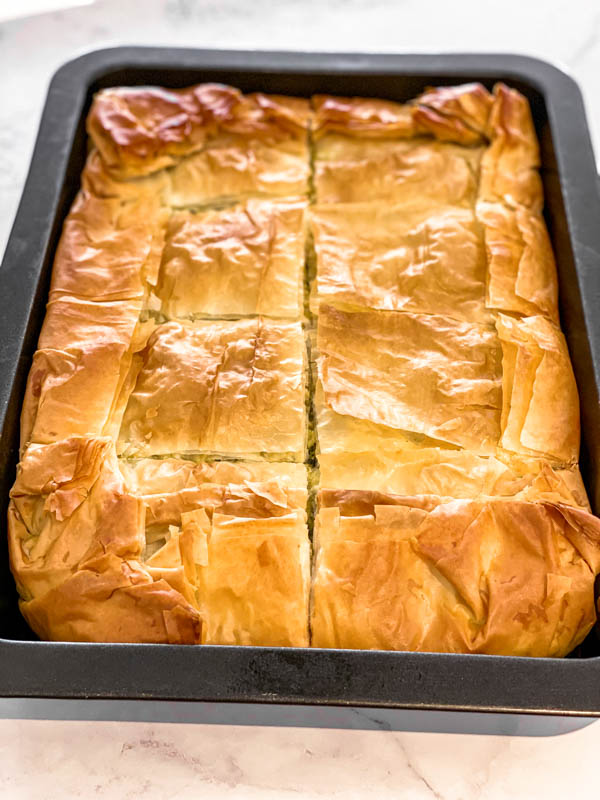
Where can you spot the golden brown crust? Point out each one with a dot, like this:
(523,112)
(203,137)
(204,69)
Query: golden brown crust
(255,501)
(230,388)
(342,433)
(68,505)
(455,114)
(232,168)
(83,356)
(246,551)
(75,538)
(359,116)
(139,131)
(366,367)
(251,573)
(207,255)
(466,115)
(469,103)
(443,128)
(400,258)
(450,473)
(150,476)
(254,585)
(521,269)
(109,250)
(509,167)
(395,171)
(96,180)
(540,407)
(110,600)
(493,576)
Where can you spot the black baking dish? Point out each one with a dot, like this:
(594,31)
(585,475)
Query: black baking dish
(419,681)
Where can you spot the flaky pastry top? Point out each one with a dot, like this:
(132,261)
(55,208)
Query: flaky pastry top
(141,130)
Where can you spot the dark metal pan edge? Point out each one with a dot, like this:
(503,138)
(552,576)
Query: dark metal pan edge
(401,680)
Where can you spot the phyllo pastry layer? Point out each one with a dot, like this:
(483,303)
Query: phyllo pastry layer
(521,271)
(489,576)
(110,247)
(240,261)
(382,147)
(420,373)
(84,354)
(141,130)
(509,168)
(205,144)
(254,585)
(540,408)
(272,496)
(415,257)
(233,388)
(76,546)
(152,476)
(233,169)
(245,549)
(452,113)
(420,470)
(354,170)
(433,380)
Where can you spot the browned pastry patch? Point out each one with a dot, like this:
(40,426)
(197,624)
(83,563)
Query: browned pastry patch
(256,500)
(540,406)
(252,573)
(420,373)
(149,477)
(453,114)
(395,171)
(76,539)
(459,576)
(469,103)
(400,258)
(509,167)
(521,271)
(412,470)
(243,544)
(232,168)
(359,116)
(83,357)
(230,388)
(109,250)
(239,261)
(139,131)
(110,600)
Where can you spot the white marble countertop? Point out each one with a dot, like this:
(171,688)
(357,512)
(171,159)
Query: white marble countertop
(122,760)
(159,761)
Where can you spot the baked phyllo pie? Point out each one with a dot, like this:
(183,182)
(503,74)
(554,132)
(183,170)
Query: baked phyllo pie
(215,143)
(421,373)
(302,382)
(230,388)
(84,354)
(76,546)
(400,258)
(244,260)
(491,575)
(234,536)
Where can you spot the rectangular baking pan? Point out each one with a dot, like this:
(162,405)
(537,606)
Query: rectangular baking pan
(279,676)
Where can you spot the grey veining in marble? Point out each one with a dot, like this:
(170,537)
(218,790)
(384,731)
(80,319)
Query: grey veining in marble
(156,761)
